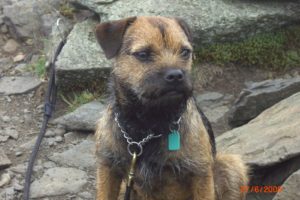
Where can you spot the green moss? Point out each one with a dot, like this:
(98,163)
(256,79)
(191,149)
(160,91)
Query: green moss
(76,99)
(278,50)
(67,10)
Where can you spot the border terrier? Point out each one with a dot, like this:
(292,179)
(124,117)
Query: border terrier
(152,116)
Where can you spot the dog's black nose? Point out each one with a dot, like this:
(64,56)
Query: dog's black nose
(174,75)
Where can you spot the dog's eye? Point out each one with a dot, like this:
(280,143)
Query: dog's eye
(185,53)
(142,55)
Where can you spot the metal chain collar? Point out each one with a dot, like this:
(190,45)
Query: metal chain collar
(146,139)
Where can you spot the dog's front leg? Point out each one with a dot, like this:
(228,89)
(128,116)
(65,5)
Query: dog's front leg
(108,184)
(203,188)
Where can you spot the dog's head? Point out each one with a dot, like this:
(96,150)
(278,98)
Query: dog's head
(153,57)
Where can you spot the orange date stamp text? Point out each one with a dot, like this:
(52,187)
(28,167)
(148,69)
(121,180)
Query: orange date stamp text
(261,189)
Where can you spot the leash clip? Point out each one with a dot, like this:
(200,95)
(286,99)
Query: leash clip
(132,169)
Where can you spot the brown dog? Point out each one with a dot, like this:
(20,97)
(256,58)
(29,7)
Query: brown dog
(152,102)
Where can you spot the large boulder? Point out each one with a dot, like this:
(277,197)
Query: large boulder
(81,62)
(29,18)
(269,144)
(290,188)
(271,138)
(259,96)
(214,20)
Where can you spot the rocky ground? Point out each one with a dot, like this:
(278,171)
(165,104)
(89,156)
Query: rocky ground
(65,167)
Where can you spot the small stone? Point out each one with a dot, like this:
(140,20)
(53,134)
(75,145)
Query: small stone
(59,139)
(22,67)
(29,41)
(51,141)
(5,179)
(12,133)
(10,46)
(18,187)
(20,169)
(4,161)
(18,153)
(4,29)
(49,133)
(3,138)
(26,111)
(5,119)
(59,131)
(19,58)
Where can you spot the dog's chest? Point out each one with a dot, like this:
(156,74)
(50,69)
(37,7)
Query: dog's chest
(165,185)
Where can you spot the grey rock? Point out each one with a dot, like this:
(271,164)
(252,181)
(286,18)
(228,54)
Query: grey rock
(10,46)
(214,105)
(214,114)
(49,164)
(213,20)
(7,194)
(26,18)
(49,133)
(260,96)
(272,137)
(22,67)
(3,138)
(81,63)
(80,155)
(74,137)
(18,153)
(20,169)
(12,133)
(85,195)
(4,161)
(58,181)
(18,187)
(18,85)
(5,179)
(5,64)
(59,138)
(4,29)
(59,131)
(58,34)
(83,118)
(5,119)
(290,188)
(202,99)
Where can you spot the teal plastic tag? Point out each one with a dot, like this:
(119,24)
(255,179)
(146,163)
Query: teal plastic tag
(174,141)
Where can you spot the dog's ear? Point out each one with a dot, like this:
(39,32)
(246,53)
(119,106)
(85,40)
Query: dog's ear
(185,27)
(110,35)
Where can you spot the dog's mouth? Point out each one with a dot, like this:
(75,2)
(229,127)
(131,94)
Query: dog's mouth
(167,96)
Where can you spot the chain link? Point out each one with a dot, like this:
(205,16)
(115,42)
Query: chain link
(139,144)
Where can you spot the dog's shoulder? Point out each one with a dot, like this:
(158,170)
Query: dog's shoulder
(195,114)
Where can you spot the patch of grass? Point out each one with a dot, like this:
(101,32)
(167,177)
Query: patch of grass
(279,51)
(76,99)
(39,67)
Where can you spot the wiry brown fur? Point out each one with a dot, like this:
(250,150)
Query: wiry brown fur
(193,172)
